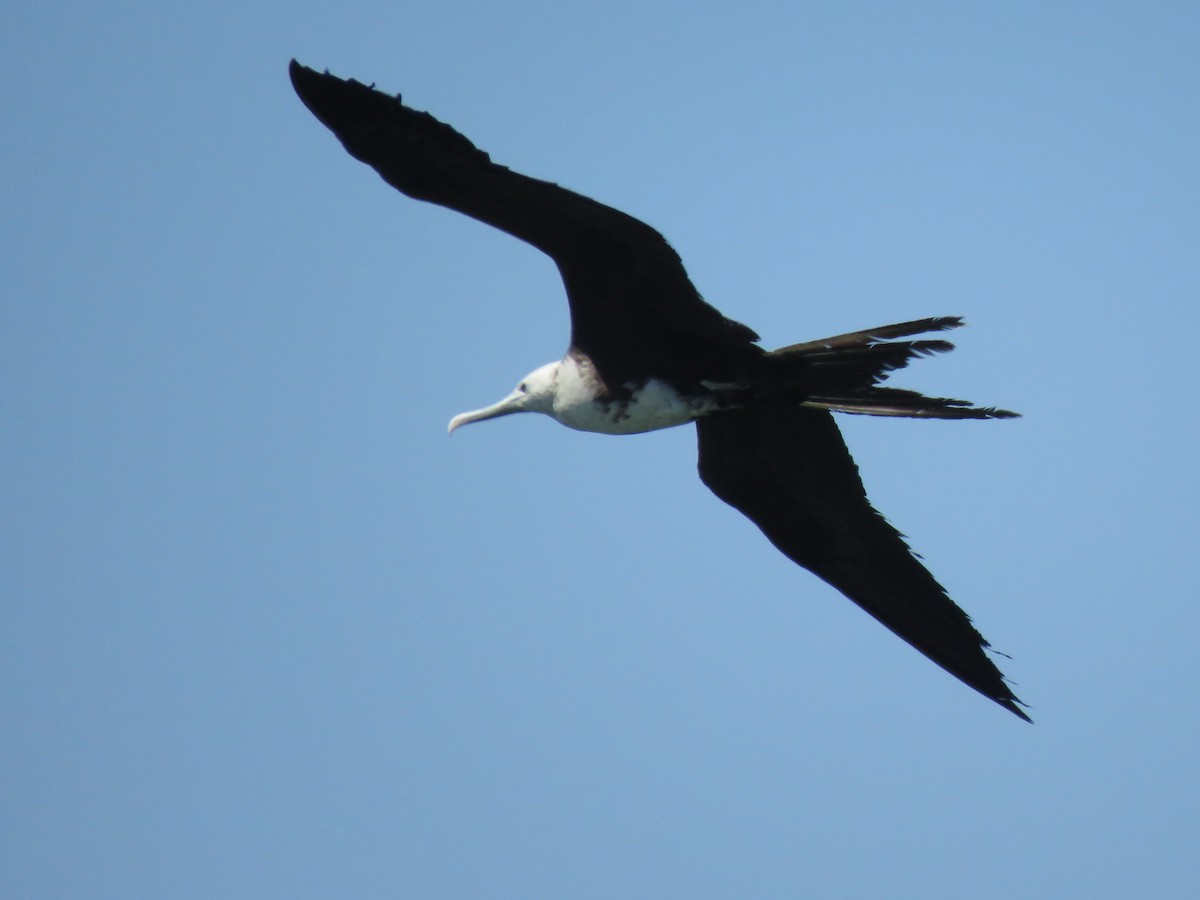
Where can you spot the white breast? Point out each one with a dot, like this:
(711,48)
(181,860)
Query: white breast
(653,406)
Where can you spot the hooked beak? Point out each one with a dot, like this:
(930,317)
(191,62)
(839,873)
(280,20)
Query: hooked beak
(513,403)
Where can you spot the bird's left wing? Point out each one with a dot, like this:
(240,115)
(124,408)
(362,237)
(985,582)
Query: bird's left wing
(625,283)
(788,469)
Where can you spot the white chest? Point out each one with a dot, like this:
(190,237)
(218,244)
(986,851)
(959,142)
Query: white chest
(653,406)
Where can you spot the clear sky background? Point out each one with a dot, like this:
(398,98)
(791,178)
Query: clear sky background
(267,632)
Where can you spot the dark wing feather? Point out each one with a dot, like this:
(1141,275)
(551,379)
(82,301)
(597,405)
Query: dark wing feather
(789,471)
(633,308)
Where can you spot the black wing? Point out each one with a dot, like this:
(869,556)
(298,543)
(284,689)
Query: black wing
(633,309)
(788,469)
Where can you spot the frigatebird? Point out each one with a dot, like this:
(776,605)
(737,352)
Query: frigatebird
(647,352)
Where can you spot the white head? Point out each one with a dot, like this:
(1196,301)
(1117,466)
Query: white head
(535,393)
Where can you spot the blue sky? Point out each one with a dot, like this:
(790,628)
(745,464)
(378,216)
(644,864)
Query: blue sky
(267,632)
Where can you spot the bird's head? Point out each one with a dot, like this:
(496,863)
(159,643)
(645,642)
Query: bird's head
(535,393)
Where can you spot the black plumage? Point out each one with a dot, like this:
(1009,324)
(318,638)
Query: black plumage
(768,444)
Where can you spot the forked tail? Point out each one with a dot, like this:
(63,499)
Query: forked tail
(845,372)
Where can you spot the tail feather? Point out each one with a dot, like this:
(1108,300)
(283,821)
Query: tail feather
(875,335)
(909,404)
(844,372)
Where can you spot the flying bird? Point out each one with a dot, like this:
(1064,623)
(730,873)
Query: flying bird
(647,352)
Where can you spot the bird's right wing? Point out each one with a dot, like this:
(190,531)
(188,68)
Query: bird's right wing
(788,469)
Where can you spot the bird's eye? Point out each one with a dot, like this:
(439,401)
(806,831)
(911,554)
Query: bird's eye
(522,387)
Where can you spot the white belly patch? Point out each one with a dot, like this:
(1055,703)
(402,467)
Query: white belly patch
(653,406)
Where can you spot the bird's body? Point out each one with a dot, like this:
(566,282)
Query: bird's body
(647,352)
(572,393)
(648,406)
